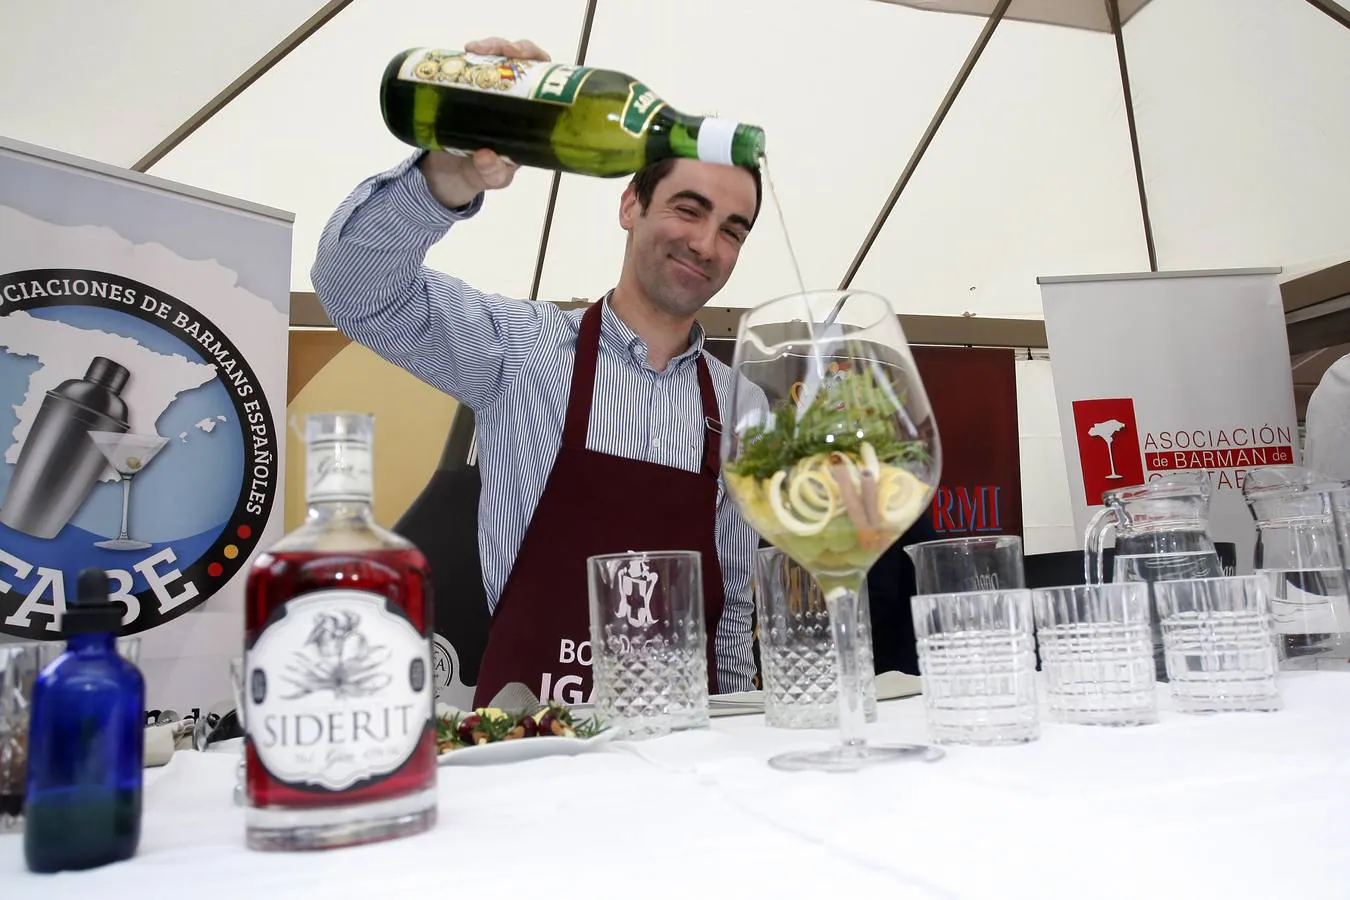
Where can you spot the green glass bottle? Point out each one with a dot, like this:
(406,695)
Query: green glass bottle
(549,115)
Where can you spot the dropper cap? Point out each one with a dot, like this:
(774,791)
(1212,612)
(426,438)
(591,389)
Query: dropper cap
(91,612)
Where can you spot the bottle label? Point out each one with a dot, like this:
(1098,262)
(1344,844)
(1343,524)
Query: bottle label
(642,104)
(337,471)
(525,78)
(337,690)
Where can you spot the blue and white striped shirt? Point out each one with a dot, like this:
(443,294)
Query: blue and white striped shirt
(510,361)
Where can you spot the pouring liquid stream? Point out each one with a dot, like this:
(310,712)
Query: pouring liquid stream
(782,223)
(812,327)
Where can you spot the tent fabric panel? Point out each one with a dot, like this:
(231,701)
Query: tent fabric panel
(1244,132)
(1071,13)
(313,130)
(839,125)
(1031,174)
(109,81)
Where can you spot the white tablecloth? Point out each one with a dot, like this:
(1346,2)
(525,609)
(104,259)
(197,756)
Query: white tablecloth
(1226,806)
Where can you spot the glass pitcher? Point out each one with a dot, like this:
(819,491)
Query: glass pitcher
(1296,547)
(956,565)
(1162,534)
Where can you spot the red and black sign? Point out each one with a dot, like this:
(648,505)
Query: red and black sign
(974,396)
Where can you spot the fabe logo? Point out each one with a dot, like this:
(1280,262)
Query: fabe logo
(1109,450)
(135,438)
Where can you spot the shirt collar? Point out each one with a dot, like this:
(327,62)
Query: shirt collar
(615,332)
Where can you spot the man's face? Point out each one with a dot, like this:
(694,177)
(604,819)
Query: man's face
(685,245)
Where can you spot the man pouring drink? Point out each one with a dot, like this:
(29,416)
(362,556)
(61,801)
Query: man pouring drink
(598,430)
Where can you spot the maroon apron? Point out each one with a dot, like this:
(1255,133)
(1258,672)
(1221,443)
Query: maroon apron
(540,632)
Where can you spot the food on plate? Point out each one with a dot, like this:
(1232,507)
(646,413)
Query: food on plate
(490,725)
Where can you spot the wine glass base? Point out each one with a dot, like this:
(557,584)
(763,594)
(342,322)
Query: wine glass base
(852,759)
(122,545)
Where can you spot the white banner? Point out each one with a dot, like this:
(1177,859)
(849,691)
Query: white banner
(143,346)
(1164,372)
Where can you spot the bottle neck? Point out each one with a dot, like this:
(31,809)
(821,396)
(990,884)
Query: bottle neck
(338,479)
(91,642)
(711,139)
(327,512)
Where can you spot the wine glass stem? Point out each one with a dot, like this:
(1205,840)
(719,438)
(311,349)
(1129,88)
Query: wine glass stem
(126,502)
(843,607)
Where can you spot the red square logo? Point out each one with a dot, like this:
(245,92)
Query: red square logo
(1108,446)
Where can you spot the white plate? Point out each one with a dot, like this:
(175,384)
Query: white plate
(230,745)
(521,749)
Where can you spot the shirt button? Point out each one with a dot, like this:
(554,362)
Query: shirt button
(656,442)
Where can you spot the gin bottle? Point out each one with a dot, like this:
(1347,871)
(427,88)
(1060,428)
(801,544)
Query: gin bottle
(338,698)
(548,115)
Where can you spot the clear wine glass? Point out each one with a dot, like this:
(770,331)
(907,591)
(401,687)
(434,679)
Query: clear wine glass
(831,456)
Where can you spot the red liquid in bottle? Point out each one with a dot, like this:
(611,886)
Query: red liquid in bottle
(397,574)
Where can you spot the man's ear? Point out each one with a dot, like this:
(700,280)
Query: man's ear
(629,207)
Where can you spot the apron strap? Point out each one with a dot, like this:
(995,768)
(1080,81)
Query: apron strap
(712,420)
(583,391)
(583,379)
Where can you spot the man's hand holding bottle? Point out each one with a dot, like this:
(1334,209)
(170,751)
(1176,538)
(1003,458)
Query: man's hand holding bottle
(456,180)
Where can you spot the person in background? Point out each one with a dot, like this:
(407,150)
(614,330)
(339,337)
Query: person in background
(1326,447)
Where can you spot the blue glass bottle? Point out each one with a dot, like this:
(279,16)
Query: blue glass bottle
(86,743)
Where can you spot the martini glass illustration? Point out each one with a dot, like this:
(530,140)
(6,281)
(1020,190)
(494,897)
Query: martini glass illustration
(128,454)
(1107,432)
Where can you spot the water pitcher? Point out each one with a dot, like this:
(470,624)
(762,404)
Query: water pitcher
(1162,534)
(987,563)
(1296,548)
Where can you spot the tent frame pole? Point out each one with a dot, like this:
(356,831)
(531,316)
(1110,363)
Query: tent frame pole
(1113,12)
(240,84)
(924,142)
(582,46)
(1335,10)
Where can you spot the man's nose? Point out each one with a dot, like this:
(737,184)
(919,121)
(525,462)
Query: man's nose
(702,241)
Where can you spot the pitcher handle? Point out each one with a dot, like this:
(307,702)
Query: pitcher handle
(1093,541)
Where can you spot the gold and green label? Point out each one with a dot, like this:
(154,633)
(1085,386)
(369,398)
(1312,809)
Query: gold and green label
(641,106)
(560,84)
(524,78)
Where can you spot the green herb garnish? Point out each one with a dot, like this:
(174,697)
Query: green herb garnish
(854,405)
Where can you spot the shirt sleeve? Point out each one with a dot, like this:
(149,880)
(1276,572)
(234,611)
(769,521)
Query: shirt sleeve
(736,546)
(370,277)
(1326,447)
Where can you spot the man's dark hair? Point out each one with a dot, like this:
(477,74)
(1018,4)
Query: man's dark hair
(649,176)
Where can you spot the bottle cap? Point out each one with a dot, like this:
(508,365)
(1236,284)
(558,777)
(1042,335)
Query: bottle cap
(107,373)
(91,611)
(730,143)
(339,427)
(715,137)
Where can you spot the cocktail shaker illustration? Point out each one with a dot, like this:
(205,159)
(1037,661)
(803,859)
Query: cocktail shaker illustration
(59,464)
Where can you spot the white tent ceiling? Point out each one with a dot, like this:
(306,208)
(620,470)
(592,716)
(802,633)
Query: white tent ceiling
(1074,13)
(1242,111)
